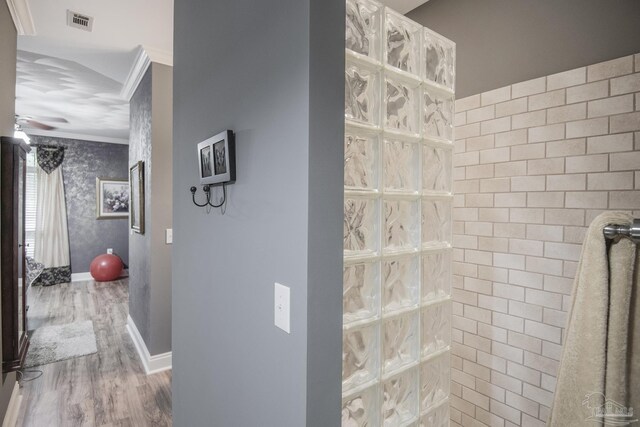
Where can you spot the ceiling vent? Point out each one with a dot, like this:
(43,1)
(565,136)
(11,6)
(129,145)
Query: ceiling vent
(78,20)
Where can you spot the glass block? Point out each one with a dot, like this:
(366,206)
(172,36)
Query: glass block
(400,399)
(438,417)
(360,160)
(434,381)
(360,356)
(438,115)
(363,28)
(402,42)
(436,275)
(361,291)
(436,327)
(400,283)
(362,409)
(439,57)
(362,93)
(400,344)
(436,169)
(401,225)
(360,226)
(436,221)
(402,103)
(400,166)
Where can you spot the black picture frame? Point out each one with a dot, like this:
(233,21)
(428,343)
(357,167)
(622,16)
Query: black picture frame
(217,159)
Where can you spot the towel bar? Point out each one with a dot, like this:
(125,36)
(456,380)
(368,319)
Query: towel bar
(632,231)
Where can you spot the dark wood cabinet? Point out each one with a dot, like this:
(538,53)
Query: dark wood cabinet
(13,173)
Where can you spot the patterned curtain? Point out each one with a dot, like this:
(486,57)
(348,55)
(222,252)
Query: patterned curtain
(52,235)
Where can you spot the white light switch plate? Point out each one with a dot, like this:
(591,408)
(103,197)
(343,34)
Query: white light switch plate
(168,236)
(282,314)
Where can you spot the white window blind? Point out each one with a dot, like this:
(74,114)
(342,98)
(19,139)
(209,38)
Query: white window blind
(30,203)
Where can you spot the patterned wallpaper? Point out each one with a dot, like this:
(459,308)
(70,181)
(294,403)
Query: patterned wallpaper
(83,162)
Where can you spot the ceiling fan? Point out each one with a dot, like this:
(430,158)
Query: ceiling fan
(30,121)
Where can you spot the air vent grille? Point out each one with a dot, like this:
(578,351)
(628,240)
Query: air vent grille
(79,20)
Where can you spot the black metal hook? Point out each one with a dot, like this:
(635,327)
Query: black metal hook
(193,196)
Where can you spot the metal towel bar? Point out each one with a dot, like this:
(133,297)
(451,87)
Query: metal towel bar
(632,231)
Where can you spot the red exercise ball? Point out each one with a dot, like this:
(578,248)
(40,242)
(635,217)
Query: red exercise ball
(106,267)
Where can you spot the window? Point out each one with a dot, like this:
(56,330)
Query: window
(30,202)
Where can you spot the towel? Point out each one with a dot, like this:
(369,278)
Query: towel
(599,371)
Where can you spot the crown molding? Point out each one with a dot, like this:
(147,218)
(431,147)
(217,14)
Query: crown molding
(139,67)
(159,56)
(22,18)
(70,135)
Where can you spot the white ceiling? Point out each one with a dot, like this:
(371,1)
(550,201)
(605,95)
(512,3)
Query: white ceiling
(78,75)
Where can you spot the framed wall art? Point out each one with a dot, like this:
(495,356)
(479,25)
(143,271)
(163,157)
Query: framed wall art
(112,198)
(136,183)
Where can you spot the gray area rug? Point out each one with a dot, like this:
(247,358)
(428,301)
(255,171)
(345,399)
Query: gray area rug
(59,342)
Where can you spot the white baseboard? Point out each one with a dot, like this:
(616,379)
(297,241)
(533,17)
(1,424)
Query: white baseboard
(81,277)
(11,417)
(152,364)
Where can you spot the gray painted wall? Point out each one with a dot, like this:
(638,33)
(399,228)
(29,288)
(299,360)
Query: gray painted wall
(8,46)
(151,117)
(84,161)
(500,42)
(273,72)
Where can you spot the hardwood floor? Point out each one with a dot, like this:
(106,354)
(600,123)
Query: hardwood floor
(108,388)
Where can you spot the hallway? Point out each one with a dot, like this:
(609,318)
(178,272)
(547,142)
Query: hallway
(108,388)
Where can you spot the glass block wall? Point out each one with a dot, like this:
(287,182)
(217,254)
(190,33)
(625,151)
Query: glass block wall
(399,100)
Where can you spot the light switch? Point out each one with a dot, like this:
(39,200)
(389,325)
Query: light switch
(168,236)
(109,250)
(282,315)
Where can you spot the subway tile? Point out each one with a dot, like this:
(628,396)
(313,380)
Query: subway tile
(543,265)
(611,181)
(574,234)
(610,143)
(494,214)
(457,309)
(510,200)
(512,107)
(514,137)
(611,106)
(493,244)
(538,395)
(465,214)
(465,159)
(458,173)
(506,382)
(508,261)
(460,119)
(465,242)
(588,92)
(545,166)
(545,199)
(480,171)
(506,412)
(477,342)
(529,87)
(511,169)
(491,390)
(567,113)
(526,279)
(480,143)
(478,257)
(468,131)
(564,216)
(495,155)
(564,251)
(523,341)
(508,352)
(493,303)
(590,127)
(547,100)
(530,119)
(529,151)
(523,373)
(545,232)
(478,371)
(547,133)
(527,215)
(468,103)
(463,378)
(566,182)
(625,122)
(475,398)
(492,332)
(586,199)
(626,84)
(464,324)
(624,199)
(525,310)
(459,146)
(464,297)
(529,421)
(462,406)
(525,247)
(502,124)
(588,163)
(554,318)
(543,298)
(476,313)
(548,382)
(477,285)
(541,363)
(523,404)
(636,60)
(542,331)
(564,79)
(497,95)
(624,161)
(493,273)
(566,147)
(509,230)
(528,183)
(637,180)
(609,69)
(569,270)
(466,186)
(509,322)
(481,114)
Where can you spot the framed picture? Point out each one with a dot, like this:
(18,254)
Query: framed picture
(112,198)
(217,159)
(136,183)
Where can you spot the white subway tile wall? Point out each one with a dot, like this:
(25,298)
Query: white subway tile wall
(398,169)
(553,153)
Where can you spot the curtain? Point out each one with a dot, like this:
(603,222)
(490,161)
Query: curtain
(52,236)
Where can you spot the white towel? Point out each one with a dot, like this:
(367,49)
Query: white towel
(600,362)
